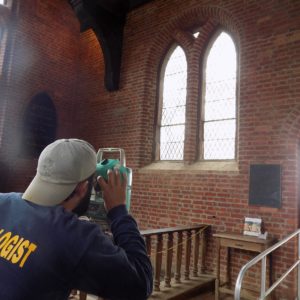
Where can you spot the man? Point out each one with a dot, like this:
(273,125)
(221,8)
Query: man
(46,251)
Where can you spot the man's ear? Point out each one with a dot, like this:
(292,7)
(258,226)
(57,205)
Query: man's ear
(81,189)
(79,193)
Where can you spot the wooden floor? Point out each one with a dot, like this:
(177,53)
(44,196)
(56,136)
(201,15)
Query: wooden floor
(184,289)
(172,293)
(211,296)
(203,296)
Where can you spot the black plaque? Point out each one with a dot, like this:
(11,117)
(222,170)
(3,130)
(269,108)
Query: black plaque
(265,185)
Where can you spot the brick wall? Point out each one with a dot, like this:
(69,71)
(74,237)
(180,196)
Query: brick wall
(267,35)
(47,55)
(41,56)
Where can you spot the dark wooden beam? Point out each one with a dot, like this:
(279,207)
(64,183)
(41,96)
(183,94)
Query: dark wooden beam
(115,7)
(108,24)
(107,19)
(133,4)
(109,32)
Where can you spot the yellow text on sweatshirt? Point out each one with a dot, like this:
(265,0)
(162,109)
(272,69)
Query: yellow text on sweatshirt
(15,248)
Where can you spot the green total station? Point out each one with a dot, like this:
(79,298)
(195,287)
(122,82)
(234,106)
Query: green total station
(103,165)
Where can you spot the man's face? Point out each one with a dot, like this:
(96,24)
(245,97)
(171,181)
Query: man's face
(82,207)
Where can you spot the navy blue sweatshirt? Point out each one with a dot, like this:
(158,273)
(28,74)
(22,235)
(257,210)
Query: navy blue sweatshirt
(46,251)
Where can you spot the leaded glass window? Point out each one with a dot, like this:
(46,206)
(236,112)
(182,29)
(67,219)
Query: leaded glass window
(219,115)
(173,102)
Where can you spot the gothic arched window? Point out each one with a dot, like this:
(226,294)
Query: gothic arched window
(171,119)
(219,109)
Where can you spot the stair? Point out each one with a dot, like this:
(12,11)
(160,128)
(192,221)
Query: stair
(186,289)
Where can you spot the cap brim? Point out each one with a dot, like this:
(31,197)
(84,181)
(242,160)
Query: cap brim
(47,193)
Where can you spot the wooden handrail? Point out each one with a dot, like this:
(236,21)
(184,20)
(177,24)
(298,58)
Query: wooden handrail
(171,229)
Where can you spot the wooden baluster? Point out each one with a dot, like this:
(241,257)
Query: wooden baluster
(202,251)
(188,247)
(148,245)
(196,252)
(169,259)
(158,261)
(82,296)
(178,258)
(218,275)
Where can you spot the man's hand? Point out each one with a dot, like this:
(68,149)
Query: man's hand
(114,190)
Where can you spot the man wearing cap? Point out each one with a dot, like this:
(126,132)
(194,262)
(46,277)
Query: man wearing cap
(46,251)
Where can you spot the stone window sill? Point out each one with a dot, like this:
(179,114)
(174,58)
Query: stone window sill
(216,166)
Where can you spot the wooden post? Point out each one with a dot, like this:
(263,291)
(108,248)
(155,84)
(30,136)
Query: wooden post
(196,252)
(158,261)
(217,283)
(188,248)
(82,296)
(169,259)
(202,251)
(148,245)
(178,257)
(228,268)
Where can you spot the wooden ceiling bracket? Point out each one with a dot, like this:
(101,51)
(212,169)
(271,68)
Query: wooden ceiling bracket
(108,26)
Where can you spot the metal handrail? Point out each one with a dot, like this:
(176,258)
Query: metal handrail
(263,257)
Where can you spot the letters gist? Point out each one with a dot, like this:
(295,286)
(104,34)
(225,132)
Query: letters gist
(14,248)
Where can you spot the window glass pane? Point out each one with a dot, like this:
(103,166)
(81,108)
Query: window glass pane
(221,61)
(218,130)
(173,107)
(214,150)
(2,2)
(224,109)
(220,100)
(219,139)
(174,86)
(173,115)
(172,142)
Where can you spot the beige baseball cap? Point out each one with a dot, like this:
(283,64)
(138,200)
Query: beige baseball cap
(61,166)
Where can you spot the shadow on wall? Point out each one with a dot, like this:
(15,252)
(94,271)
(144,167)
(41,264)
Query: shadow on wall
(4,175)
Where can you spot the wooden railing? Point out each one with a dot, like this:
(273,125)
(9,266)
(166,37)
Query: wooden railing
(188,242)
(193,234)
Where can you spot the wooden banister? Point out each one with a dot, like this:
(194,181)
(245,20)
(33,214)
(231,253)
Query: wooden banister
(189,244)
(171,229)
(192,237)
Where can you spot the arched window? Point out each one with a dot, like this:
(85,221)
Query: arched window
(219,110)
(39,125)
(171,120)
